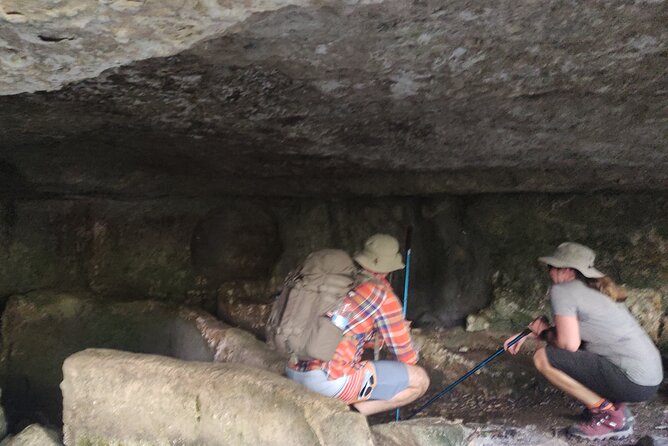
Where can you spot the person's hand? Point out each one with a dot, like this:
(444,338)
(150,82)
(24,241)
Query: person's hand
(515,348)
(538,325)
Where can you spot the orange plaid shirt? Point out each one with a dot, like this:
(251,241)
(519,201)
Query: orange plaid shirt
(374,310)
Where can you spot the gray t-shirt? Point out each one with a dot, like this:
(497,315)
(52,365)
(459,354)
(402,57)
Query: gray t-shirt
(609,330)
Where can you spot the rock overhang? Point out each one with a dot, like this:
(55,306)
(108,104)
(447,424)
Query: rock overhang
(392,98)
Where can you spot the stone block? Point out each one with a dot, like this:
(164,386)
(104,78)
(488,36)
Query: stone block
(112,397)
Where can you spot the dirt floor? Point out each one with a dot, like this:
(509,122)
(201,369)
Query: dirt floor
(508,392)
(551,413)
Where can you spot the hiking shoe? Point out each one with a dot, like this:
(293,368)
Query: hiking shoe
(629,418)
(603,425)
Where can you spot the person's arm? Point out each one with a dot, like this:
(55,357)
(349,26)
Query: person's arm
(393,330)
(538,326)
(567,334)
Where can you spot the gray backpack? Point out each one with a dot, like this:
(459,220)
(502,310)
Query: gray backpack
(305,322)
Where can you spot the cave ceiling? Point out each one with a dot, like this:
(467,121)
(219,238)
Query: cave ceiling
(202,97)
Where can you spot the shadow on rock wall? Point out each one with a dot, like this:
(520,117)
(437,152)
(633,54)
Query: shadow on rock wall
(239,241)
(232,254)
(449,268)
(40,329)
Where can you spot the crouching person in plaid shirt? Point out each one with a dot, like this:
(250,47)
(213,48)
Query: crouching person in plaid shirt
(375,318)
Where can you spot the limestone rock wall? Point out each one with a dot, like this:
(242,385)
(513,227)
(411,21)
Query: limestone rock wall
(173,250)
(628,232)
(42,243)
(230,255)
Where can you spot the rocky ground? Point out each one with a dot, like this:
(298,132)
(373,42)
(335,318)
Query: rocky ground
(507,396)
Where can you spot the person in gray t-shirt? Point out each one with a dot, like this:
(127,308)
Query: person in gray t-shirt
(596,351)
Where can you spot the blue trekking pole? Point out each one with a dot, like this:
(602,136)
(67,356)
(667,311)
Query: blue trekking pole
(469,373)
(409,232)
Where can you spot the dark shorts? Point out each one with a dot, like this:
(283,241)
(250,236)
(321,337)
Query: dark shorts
(599,375)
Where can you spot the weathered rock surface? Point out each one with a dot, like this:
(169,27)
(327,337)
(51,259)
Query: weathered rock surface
(115,397)
(648,308)
(42,244)
(116,249)
(490,435)
(652,440)
(312,98)
(141,250)
(34,435)
(422,432)
(45,48)
(41,329)
(441,432)
(3,423)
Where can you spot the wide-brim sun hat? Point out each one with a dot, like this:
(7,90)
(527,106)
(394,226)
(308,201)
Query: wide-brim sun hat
(380,254)
(576,256)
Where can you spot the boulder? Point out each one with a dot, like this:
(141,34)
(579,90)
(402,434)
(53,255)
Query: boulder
(34,435)
(112,397)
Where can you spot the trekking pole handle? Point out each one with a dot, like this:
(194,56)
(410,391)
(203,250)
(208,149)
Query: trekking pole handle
(526,332)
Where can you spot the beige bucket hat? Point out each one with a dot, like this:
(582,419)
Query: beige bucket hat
(380,254)
(576,256)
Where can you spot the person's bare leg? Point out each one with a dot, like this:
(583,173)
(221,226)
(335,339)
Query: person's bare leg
(418,383)
(562,381)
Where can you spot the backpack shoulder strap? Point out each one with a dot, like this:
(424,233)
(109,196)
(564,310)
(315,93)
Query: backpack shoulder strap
(282,302)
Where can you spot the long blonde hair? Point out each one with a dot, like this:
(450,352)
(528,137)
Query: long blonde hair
(608,287)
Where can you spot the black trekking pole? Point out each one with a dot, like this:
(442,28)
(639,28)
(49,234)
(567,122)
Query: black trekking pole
(469,373)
